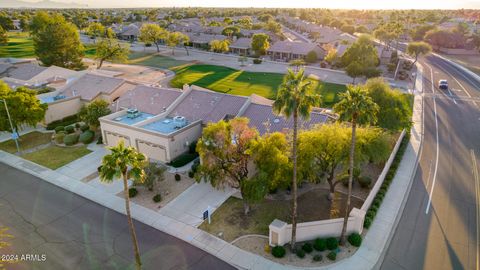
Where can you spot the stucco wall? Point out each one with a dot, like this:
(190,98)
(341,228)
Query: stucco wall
(62,108)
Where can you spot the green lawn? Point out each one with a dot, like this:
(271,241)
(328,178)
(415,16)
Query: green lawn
(155,60)
(54,157)
(27,141)
(244,83)
(20,45)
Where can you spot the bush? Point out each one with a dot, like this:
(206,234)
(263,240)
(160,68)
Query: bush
(355,239)
(132,192)
(257,61)
(157,198)
(72,119)
(311,57)
(84,128)
(191,174)
(87,137)
(183,160)
(364,181)
(278,252)
(100,140)
(70,139)
(332,255)
(195,165)
(69,129)
(344,179)
(307,247)
(192,148)
(371,213)
(59,128)
(59,137)
(332,243)
(367,222)
(177,177)
(77,125)
(323,65)
(300,253)
(320,244)
(317,258)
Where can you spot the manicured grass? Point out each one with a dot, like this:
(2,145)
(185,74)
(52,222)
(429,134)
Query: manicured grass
(26,141)
(20,45)
(153,60)
(244,83)
(54,157)
(230,219)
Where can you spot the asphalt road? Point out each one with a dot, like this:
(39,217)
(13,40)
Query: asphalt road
(75,233)
(439,228)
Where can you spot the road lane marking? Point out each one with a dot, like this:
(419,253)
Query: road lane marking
(436,134)
(477,194)
(451,95)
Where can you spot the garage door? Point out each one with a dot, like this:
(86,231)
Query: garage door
(153,151)
(113,139)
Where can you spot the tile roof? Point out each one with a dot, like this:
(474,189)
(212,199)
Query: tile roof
(89,86)
(208,106)
(148,99)
(263,119)
(204,38)
(302,48)
(242,43)
(25,72)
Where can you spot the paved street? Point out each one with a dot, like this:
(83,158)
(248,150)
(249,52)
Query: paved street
(75,233)
(439,226)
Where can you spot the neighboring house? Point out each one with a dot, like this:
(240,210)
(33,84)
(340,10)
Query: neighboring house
(129,32)
(198,40)
(241,46)
(88,87)
(289,50)
(162,123)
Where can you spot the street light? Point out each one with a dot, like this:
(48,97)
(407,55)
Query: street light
(14,133)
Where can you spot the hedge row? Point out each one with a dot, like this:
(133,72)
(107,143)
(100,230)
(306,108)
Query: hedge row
(72,119)
(372,211)
(183,160)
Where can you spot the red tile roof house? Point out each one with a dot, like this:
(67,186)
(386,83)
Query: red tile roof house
(162,123)
(86,88)
(289,50)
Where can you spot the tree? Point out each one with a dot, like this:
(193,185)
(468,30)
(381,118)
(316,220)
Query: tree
(265,17)
(3,37)
(273,27)
(57,42)
(95,30)
(39,22)
(154,173)
(231,31)
(416,49)
(356,107)
(5,21)
(354,70)
(93,111)
(260,43)
(295,99)
(152,33)
(224,150)
(176,38)
(23,105)
(332,56)
(125,163)
(111,50)
(395,111)
(361,51)
(419,32)
(220,46)
(311,57)
(297,64)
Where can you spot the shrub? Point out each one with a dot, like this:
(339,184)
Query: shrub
(323,65)
(87,137)
(192,148)
(320,244)
(278,252)
(63,122)
(59,128)
(195,165)
(344,179)
(157,198)
(355,239)
(77,125)
(132,192)
(311,57)
(364,181)
(257,61)
(59,137)
(332,243)
(371,213)
(300,253)
(100,140)
(367,222)
(317,258)
(70,139)
(307,247)
(183,160)
(191,174)
(177,177)
(332,255)
(84,128)
(69,129)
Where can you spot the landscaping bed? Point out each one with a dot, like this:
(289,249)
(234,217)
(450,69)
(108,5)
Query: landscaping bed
(54,157)
(27,141)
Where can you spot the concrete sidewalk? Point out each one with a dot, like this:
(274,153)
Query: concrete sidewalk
(86,165)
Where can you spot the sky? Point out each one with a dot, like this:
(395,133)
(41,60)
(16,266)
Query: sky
(343,4)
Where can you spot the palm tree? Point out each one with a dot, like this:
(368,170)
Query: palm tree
(125,162)
(356,107)
(295,99)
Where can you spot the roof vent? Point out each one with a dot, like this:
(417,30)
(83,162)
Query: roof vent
(276,121)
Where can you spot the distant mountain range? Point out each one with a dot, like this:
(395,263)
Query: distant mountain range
(40,4)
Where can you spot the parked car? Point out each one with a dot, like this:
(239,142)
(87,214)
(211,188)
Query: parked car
(443,84)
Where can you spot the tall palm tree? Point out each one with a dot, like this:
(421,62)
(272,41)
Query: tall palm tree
(294,98)
(356,107)
(125,163)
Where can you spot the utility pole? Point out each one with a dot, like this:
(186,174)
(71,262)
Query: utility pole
(14,133)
